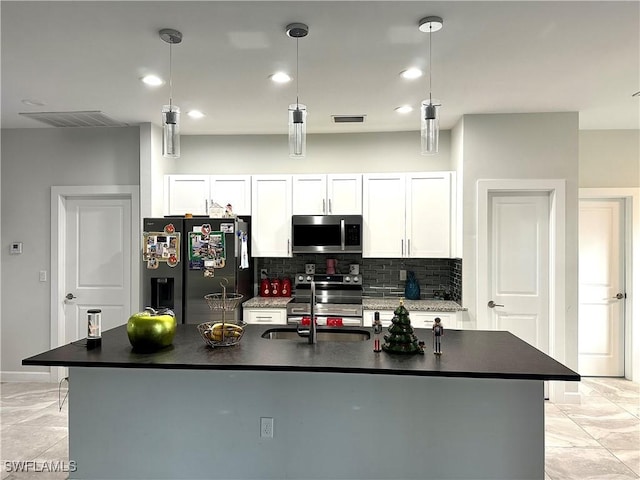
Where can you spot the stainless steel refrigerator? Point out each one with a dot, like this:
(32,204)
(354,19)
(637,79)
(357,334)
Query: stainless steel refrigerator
(210,251)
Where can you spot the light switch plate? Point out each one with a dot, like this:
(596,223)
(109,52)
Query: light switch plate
(16,248)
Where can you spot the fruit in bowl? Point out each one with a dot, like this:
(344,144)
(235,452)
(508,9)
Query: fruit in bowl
(151,330)
(219,331)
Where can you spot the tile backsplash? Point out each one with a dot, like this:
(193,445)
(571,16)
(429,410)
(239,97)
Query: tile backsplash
(380,276)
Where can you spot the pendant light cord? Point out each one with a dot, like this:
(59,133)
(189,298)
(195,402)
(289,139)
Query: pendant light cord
(170,75)
(430,64)
(297,73)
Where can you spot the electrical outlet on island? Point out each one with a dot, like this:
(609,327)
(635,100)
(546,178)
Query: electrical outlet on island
(403,275)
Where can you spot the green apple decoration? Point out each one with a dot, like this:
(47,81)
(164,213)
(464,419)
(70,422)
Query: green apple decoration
(151,330)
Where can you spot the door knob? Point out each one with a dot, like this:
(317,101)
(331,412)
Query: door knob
(619,296)
(70,296)
(492,304)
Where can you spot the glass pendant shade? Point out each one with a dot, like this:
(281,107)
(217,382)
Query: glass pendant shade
(297,130)
(429,127)
(170,131)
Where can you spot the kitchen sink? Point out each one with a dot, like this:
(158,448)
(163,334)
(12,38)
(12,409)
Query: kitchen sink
(322,335)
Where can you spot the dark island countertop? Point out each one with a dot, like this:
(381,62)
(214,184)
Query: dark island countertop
(466,353)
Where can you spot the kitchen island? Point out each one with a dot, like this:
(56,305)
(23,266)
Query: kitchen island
(339,409)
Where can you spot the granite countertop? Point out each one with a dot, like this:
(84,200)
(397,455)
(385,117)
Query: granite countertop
(466,353)
(267,302)
(368,303)
(387,303)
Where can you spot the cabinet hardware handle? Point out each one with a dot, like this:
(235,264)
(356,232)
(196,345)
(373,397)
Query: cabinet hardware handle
(402,247)
(330,209)
(324,206)
(288,246)
(408,247)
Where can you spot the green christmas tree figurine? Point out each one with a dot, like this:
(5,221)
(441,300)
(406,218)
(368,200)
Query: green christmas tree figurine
(401,338)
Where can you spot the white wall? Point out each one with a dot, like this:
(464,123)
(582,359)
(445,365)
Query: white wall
(33,160)
(153,168)
(340,153)
(609,158)
(524,146)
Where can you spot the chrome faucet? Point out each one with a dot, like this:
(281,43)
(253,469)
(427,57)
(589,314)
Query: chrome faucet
(311,332)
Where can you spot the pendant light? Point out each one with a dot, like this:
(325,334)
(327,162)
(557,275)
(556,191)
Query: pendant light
(297,111)
(429,126)
(171,112)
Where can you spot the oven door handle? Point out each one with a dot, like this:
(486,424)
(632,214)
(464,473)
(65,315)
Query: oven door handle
(302,310)
(342,234)
(354,312)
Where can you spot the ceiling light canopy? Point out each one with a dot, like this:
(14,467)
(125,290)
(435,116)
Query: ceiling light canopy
(171,112)
(297,111)
(429,126)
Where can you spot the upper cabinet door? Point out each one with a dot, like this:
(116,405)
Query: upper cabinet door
(233,189)
(186,194)
(344,194)
(428,214)
(310,195)
(271,216)
(383,215)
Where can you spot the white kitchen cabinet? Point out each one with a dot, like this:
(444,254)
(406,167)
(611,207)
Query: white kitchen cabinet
(418,319)
(383,208)
(333,194)
(233,189)
(385,317)
(428,214)
(426,319)
(309,194)
(407,215)
(267,316)
(271,215)
(186,194)
(195,193)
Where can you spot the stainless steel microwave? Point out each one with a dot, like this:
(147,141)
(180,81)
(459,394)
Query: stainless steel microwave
(326,233)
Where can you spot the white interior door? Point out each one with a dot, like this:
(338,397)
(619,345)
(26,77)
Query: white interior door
(601,288)
(97,262)
(518,261)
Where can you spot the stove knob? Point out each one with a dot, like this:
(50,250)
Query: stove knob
(347,279)
(308,278)
(300,278)
(356,279)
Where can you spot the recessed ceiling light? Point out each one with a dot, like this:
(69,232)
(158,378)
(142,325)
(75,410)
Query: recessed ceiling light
(280,77)
(411,73)
(195,114)
(32,102)
(152,80)
(404,109)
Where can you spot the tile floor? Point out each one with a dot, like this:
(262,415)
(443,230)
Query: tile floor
(598,439)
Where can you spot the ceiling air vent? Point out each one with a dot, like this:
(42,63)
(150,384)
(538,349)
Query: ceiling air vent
(348,118)
(74,119)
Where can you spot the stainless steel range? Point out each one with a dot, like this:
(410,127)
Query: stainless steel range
(338,300)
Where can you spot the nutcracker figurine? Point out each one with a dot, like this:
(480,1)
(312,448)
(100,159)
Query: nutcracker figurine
(438,332)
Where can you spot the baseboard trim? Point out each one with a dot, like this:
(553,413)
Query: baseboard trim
(42,377)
